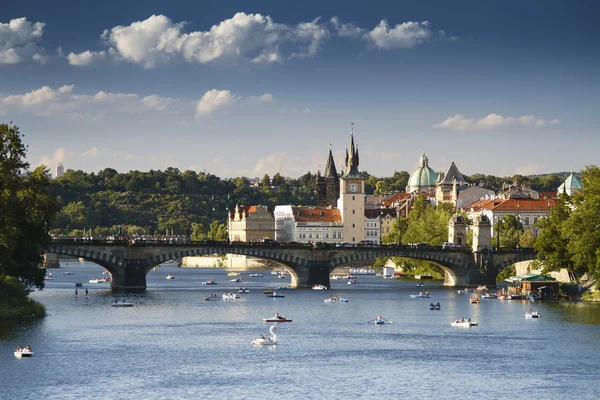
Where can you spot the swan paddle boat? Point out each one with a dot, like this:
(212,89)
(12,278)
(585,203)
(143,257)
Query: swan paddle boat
(266,341)
(275,295)
(95,280)
(118,303)
(335,299)
(464,323)
(319,287)
(420,284)
(244,290)
(435,306)
(532,314)
(230,296)
(22,353)
(170,277)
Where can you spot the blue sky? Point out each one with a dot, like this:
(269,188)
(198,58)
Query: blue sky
(248,88)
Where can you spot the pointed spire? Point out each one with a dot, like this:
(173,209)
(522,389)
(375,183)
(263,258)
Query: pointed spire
(330,171)
(351,156)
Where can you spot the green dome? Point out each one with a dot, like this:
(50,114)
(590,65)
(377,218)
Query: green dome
(422,176)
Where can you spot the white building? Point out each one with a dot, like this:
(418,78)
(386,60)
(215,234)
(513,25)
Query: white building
(373,226)
(307,224)
(60,170)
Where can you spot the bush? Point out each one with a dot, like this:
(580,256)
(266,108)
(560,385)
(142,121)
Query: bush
(15,301)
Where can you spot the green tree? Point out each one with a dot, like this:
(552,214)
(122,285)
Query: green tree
(552,241)
(217,231)
(527,239)
(198,231)
(27,211)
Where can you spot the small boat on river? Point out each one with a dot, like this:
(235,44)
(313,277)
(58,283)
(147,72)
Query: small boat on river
(230,296)
(420,296)
(266,341)
(531,314)
(335,299)
(170,276)
(23,353)
(255,275)
(209,283)
(319,287)
(118,303)
(277,318)
(212,297)
(464,323)
(275,295)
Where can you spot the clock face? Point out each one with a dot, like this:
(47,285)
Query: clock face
(353,188)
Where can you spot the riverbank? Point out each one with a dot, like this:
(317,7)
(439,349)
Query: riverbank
(31,309)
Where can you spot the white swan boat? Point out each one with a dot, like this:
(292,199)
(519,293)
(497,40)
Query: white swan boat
(170,277)
(319,287)
(118,303)
(266,341)
(23,353)
(464,323)
(230,296)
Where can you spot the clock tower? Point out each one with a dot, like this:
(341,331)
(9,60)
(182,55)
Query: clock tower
(352,197)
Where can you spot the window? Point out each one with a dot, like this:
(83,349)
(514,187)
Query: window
(535,219)
(353,225)
(316,235)
(352,197)
(526,220)
(327,236)
(353,212)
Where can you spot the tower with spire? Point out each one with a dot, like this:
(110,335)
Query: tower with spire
(328,185)
(352,196)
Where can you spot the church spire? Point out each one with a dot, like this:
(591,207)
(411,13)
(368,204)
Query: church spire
(351,157)
(330,171)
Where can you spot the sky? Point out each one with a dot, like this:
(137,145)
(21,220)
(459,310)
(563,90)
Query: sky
(247,88)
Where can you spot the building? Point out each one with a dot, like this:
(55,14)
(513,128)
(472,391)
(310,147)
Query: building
(423,179)
(328,185)
(387,217)
(372,226)
(352,197)
(251,224)
(571,185)
(308,224)
(527,211)
(60,170)
(449,185)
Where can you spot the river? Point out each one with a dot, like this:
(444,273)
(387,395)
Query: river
(174,345)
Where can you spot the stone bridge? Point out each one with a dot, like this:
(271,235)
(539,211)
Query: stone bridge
(128,263)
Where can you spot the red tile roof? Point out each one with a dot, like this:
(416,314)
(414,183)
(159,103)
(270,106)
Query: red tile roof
(522,205)
(317,214)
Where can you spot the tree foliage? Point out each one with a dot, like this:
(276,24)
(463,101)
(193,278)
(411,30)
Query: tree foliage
(27,211)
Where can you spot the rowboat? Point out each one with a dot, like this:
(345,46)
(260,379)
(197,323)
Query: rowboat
(335,299)
(464,323)
(118,303)
(275,319)
(420,296)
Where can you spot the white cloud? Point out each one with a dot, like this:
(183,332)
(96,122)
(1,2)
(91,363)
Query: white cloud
(213,100)
(270,164)
(58,157)
(348,30)
(528,169)
(94,152)
(460,123)
(46,101)
(85,58)
(17,41)
(406,35)
(253,37)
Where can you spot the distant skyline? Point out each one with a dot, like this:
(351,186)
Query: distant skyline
(244,88)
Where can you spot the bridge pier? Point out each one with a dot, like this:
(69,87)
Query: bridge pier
(129,277)
(316,273)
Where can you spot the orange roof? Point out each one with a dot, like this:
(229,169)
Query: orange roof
(522,205)
(317,214)
(388,201)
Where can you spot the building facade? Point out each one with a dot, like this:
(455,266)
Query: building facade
(328,185)
(251,224)
(308,224)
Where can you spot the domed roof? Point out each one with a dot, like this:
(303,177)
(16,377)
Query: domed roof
(423,175)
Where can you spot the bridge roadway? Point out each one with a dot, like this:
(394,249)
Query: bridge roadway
(128,262)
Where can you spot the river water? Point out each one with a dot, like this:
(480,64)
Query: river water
(174,345)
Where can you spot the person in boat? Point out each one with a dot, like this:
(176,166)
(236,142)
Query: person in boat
(28,348)
(420,293)
(438,304)
(76,293)
(431,305)
(427,293)
(86,291)
(379,317)
(277,316)
(19,348)
(263,336)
